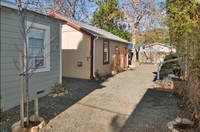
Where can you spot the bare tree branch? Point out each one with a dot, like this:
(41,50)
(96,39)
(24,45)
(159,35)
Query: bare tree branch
(16,63)
(141,14)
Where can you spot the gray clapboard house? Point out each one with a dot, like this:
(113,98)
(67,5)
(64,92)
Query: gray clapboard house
(49,73)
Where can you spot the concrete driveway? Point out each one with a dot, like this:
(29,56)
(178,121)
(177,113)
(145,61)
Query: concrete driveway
(124,102)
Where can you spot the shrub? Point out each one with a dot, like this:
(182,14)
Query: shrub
(58,88)
(2,116)
(98,75)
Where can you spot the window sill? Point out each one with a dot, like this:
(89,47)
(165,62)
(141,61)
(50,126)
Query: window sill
(42,70)
(105,63)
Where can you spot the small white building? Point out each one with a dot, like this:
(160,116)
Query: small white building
(152,53)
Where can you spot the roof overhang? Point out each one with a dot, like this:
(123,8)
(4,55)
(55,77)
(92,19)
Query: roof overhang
(15,7)
(83,30)
(8,4)
(57,16)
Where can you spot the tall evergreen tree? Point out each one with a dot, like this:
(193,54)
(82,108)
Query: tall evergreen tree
(109,17)
(184,24)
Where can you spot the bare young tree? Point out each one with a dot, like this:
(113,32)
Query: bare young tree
(29,63)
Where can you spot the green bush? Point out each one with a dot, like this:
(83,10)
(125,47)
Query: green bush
(98,75)
(171,56)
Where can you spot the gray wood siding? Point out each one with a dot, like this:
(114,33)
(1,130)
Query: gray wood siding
(10,38)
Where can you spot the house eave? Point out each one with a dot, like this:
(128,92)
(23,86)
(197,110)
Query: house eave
(113,40)
(79,28)
(57,16)
(8,5)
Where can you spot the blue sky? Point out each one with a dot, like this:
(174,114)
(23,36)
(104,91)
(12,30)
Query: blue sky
(91,6)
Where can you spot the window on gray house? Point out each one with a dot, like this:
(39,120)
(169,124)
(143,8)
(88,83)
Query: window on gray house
(36,46)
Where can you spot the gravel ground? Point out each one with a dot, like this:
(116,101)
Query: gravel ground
(50,107)
(125,103)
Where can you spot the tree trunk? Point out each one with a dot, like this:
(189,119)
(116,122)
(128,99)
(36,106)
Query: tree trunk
(21,70)
(134,35)
(27,88)
(36,109)
(133,42)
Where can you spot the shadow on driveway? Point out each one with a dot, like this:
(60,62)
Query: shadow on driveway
(77,88)
(153,112)
(50,107)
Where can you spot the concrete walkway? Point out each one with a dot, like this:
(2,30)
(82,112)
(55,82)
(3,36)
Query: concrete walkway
(110,108)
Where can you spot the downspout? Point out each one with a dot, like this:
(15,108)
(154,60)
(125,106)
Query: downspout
(94,55)
(60,79)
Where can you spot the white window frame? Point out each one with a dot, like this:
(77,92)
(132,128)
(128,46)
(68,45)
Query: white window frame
(108,52)
(46,29)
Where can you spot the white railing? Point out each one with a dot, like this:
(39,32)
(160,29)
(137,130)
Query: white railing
(161,63)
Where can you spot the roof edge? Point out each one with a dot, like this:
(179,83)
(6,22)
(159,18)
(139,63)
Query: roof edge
(9,5)
(81,29)
(115,40)
(77,27)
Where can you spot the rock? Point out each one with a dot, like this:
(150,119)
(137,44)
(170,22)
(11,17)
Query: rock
(41,119)
(32,118)
(24,130)
(61,94)
(16,128)
(178,119)
(57,117)
(197,116)
(113,72)
(131,67)
(172,76)
(16,124)
(166,84)
(42,124)
(34,129)
(174,130)
(187,121)
(49,127)
(182,78)
(66,92)
(55,95)
(171,124)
